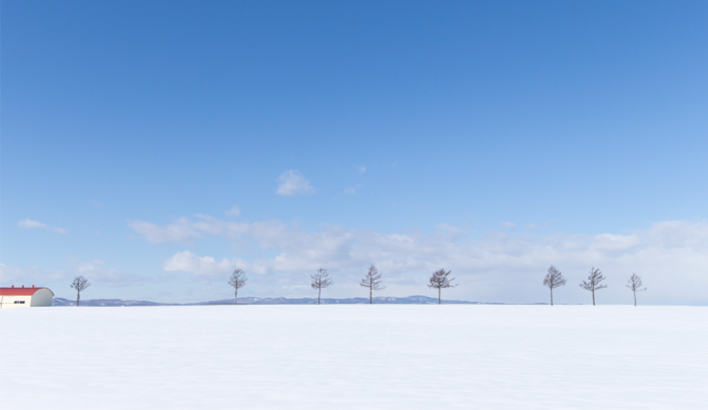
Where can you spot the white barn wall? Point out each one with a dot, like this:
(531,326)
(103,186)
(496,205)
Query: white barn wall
(42,297)
(9,301)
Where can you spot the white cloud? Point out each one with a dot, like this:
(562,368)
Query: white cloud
(99,274)
(92,266)
(610,242)
(508,225)
(234,211)
(186,261)
(293,183)
(671,256)
(30,224)
(362,170)
(180,231)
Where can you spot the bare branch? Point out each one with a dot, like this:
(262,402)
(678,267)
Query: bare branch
(80,283)
(635,285)
(441,280)
(593,283)
(554,279)
(320,280)
(372,280)
(238,280)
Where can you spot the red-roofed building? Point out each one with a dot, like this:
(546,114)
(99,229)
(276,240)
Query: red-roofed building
(25,297)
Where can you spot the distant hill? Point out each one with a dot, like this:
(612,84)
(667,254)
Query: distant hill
(410,300)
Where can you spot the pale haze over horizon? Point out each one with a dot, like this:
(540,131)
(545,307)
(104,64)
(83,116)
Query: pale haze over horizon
(154,147)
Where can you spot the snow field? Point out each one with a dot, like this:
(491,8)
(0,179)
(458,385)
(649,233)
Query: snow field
(355,357)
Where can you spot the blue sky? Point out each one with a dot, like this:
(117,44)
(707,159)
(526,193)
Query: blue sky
(491,138)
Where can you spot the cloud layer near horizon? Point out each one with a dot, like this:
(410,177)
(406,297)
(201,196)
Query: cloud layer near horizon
(96,270)
(672,257)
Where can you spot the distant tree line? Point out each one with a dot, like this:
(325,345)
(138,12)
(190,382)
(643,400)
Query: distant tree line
(440,279)
(372,280)
(554,279)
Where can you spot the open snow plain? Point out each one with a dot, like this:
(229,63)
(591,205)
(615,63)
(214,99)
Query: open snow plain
(355,357)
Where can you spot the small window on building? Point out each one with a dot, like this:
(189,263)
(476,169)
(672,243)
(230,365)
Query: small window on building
(19,302)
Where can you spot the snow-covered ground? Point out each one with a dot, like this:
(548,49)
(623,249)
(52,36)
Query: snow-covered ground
(355,357)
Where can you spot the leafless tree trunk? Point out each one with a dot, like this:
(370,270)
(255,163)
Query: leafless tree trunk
(238,280)
(554,279)
(80,283)
(595,277)
(439,280)
(372,280)
(635,285)
(320,280)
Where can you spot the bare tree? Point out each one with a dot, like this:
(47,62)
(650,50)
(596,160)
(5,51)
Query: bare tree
(440,280)
(80,283)
(238,280)
(554,279)
(635,285)
(595,277)
(320,280)
(372,280)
